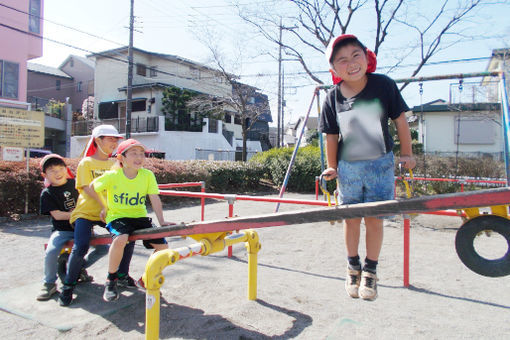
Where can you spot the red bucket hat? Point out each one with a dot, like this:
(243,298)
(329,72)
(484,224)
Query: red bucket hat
(128,144)
(47,158)
(371,57)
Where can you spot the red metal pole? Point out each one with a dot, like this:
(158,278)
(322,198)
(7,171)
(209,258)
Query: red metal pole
(407,227)
(202,201)
(316,188)
(230,214)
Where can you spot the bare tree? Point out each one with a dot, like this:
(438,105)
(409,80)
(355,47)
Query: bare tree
(313,23)
(243,102)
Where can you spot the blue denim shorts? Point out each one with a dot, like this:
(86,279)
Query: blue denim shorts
(366,181)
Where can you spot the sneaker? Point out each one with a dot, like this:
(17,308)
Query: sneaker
(47,291)
(84,276)
(140,284)
(66,296)
(127,282)
(111,292)
(352,282)
(368,287)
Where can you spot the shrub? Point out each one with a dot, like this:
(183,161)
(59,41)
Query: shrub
(305,168)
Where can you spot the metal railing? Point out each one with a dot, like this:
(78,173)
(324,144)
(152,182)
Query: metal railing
(139,124)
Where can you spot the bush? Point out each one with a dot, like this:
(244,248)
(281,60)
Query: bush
(306,167)
(223,177)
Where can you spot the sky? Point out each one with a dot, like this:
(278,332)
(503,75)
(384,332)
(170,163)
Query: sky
(180,27)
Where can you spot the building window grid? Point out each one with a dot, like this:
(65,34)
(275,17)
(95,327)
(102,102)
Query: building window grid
(9,79)
(34,24)
(141,70)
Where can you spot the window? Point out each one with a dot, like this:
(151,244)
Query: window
(141,70)
(57,84)
(237,120)
(153,72)
(9,79)
(108,110)
(34,20)
(195,72)
(138,105)
(213,125)
(474,131)
(228,118)
(78,86)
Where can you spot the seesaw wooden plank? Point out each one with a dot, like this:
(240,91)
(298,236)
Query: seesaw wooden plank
(480,198)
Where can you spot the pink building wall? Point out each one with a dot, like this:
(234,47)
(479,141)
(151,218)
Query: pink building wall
(17,44)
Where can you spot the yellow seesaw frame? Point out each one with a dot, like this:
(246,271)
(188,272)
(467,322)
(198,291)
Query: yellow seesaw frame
(207,244)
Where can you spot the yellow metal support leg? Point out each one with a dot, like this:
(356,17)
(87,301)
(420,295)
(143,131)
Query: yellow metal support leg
(208,244)
(153,279)
(252,247)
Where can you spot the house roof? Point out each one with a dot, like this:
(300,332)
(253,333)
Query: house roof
(456,107)
(83,60)
(38,68)
(171,57)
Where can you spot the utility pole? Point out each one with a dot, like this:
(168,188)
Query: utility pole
(129,91)
(279,85)
(283,105)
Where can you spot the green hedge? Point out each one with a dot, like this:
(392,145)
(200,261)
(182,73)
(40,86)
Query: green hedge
(307,166)
(222,177)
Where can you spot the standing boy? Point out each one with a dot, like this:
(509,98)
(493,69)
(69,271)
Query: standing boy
(58,199)
(355,118)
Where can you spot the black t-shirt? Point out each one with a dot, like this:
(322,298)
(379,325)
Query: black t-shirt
(61,198)
(362,121)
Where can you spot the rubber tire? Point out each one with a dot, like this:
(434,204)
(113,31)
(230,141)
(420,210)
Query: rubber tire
(62,266)
(464,244)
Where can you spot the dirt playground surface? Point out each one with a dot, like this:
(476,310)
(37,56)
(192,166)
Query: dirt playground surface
(301,275)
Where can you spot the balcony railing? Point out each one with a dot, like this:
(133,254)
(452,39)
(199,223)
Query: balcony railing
(140,124)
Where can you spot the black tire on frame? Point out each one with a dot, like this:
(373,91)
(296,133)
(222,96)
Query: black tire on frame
(464,244)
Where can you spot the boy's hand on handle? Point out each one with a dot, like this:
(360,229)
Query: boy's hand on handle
(407,162)
(329,174)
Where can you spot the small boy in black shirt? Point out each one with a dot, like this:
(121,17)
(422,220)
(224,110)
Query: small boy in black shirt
(58,199)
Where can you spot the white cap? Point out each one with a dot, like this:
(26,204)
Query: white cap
(106,130)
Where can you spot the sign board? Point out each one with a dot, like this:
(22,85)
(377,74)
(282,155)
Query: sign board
(12,154)
(21,128)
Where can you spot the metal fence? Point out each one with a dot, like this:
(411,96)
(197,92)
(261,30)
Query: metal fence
(140,124)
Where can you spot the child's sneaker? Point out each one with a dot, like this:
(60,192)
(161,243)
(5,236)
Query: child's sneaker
(111,291)
(352,282)
(368,287)
(84,276)
(140,284)
(127,282)
(66,296)
(47,291)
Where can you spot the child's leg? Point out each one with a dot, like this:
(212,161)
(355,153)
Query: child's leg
(351,235)
(116,252)
(126,258)
(82,234)
(374,237)
(55,245)
(159,246)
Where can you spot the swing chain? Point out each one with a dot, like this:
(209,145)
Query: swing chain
(421,87)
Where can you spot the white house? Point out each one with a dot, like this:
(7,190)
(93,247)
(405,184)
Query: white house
(469,129)
(152,74)
(292,130)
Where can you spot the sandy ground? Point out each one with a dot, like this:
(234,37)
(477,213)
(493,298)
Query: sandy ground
(301,294)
